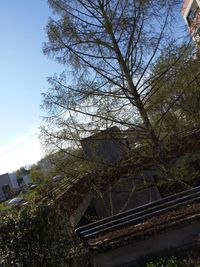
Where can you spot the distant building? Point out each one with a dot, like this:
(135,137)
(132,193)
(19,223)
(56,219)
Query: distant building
(6,186)
(191,15)
(10,184)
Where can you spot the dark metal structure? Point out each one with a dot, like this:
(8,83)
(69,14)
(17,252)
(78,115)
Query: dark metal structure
(139,214)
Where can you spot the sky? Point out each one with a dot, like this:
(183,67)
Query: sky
(23,73)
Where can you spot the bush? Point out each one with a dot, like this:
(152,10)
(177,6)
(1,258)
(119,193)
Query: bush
(38,236)
(171,262)
(183,258)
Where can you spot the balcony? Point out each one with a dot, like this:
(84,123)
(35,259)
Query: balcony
(192,15)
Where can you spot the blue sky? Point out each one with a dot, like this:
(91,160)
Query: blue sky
(23,73)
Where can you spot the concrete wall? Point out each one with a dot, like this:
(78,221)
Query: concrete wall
(13,180)
(131,253)
(108,147)
(104,148)
(186,4)
(128,192)
(26,178)
(78,214)
(134,189)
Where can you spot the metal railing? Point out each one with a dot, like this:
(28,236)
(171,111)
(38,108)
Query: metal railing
(139,214)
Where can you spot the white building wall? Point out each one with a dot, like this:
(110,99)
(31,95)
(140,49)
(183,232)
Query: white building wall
(26,178)
(13,179)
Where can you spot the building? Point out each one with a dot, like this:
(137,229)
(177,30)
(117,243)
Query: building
(6,186)
(122,184)
(142,221)
(105,148)
(126,185)
(191,15)
(10,184)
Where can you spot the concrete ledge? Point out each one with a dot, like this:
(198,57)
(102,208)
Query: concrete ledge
(133,252)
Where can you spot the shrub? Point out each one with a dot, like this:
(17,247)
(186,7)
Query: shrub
(171,262)
(38,236)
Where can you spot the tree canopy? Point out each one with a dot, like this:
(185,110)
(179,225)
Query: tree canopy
(113,51)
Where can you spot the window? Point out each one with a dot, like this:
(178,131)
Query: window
(6,190)
(193,12)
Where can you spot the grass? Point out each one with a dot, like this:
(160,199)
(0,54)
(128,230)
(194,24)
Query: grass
(28,196)
(4,207)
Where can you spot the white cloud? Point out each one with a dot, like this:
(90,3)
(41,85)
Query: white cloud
(21,151)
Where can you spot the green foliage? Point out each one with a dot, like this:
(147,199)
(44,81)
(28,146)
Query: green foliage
(171,262)
(36,174)
(187,258)
(176,92)
(68,163)
(21,171)
(38,236)
(187,169)
(110,46)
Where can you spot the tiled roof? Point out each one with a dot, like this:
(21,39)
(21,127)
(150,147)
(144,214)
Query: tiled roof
(71,195)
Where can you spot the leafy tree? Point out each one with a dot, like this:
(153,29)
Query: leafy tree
(68,164)
(112,51)
(110,47)
(175,102)
(176,97)
(36,174)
